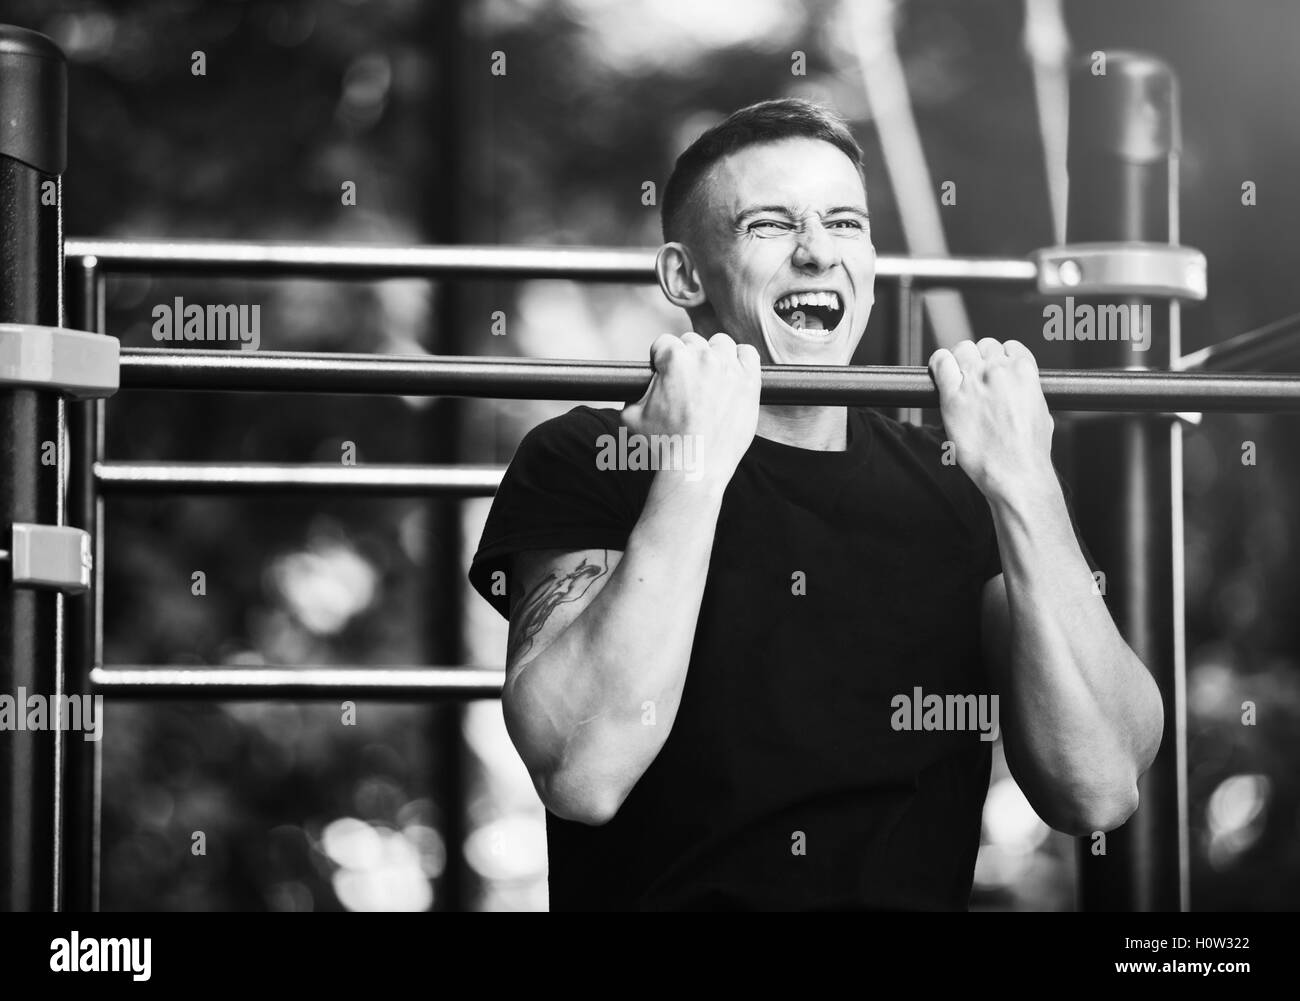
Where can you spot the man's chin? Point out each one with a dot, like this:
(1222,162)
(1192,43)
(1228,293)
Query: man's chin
(808,347)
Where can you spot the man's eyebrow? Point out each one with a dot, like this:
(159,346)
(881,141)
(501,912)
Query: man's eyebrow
(785,211)
(760,209)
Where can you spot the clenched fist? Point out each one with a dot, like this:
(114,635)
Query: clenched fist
(995,414)
(706,389)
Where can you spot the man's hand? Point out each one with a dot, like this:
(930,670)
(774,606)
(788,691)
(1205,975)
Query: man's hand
(708,389)
(995,414)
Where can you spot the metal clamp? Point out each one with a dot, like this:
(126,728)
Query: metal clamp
(51,556)
(78,363)
(1121,269)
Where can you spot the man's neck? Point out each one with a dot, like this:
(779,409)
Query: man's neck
(821,429)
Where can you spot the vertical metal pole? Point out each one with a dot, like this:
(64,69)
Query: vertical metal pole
(1123,166)
(444,434)
(83,761)
(33,149)
(907,336)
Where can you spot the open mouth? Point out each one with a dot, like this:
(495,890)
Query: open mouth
(810,312)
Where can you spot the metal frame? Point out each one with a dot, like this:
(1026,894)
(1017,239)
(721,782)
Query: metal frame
(94,477)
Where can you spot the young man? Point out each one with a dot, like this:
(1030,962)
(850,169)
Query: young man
(769,677)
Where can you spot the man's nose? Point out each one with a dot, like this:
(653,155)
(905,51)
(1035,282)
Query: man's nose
(815,248)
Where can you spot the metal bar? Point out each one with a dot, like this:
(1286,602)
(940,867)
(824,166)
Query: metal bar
(33,129)
(133,681)
(1124,140)
(83,761)
(367,261)
(895,344)
(444,584)
(1257,350)
(827,385)
(99,542)
(911,316)
(118,478)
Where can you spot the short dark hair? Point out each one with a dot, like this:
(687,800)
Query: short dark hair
(766,121)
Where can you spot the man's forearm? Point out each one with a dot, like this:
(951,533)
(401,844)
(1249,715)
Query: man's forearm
(599,701)
(1085,713)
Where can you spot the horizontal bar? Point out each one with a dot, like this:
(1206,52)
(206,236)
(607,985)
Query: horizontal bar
(362,261)
(1254,350)
(367,261)
(133,681)
(269,477)
(822,385)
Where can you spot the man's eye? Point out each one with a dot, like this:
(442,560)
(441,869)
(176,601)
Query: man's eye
(850,223)
(768,225)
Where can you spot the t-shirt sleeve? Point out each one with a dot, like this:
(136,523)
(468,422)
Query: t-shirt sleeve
(992,558)
(554,496)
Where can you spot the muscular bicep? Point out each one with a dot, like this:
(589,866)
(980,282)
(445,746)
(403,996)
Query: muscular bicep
(549,589)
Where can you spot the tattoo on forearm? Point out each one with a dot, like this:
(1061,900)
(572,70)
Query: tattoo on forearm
(558,588)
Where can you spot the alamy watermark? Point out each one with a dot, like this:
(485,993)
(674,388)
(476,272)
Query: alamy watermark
(1087,322)
(75,954)
(631,450)
(62,712)
(951,712)
(177,321)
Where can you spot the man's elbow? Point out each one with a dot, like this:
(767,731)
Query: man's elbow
(584,799)
(1087,812)
(563,775)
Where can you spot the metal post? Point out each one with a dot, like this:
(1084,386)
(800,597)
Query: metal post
(444,435)
(33,147)
(907,336)
(83,761)
(1123,166)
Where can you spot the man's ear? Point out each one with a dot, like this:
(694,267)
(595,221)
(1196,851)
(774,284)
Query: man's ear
(678,277)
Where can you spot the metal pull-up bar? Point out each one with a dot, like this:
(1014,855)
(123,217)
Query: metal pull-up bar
(827,385)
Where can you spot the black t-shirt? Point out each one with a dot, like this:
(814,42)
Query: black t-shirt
(784,783)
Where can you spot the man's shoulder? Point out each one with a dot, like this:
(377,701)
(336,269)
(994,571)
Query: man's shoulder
(576,430)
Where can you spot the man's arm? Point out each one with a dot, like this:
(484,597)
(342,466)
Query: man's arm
(599,644)
(1082,717)
(600,640)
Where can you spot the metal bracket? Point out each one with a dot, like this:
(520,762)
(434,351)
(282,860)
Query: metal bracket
(1121,269)
(52,556)
(80,364)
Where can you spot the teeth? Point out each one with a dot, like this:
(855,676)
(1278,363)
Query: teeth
(830,300)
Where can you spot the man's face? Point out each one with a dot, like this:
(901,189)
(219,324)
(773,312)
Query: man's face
(786,258)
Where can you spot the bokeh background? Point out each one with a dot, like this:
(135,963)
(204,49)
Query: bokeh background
(418,807)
